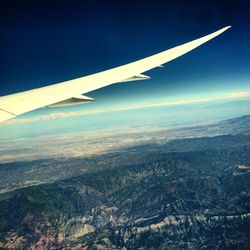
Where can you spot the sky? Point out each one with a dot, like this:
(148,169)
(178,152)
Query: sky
(45,42)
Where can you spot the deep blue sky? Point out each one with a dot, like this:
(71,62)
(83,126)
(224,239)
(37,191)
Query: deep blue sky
(44,42)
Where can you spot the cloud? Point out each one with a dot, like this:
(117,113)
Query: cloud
(52,116)
(238,95)
(59,115)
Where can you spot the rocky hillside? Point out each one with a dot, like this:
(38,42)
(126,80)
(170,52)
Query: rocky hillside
(187,194)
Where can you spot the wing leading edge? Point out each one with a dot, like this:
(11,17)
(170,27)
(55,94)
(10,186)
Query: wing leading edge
(66,92)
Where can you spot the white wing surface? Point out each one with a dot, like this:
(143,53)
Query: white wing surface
(69,92)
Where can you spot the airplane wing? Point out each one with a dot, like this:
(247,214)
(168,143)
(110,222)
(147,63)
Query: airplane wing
(70,92)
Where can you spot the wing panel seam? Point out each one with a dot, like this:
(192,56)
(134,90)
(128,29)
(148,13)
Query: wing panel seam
(8,112)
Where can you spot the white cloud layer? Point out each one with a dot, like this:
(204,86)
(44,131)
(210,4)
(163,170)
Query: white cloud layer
(58,115)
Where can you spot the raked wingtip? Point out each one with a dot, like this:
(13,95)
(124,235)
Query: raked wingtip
(222,30)
(227,27)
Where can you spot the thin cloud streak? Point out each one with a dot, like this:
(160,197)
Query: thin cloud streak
(60,115)
(238,95)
